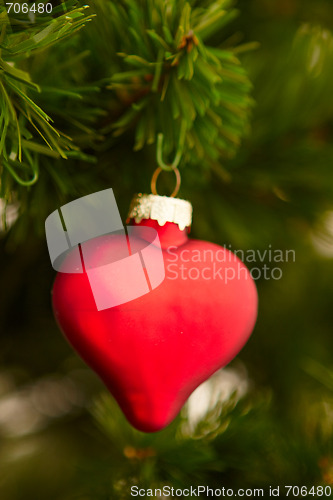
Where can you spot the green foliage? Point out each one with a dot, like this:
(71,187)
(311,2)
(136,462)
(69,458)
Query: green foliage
(41,121)
(158,73)
(27,132)
(167,74)
(237,444)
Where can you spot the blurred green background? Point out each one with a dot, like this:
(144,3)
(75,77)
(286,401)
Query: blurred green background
(61,436)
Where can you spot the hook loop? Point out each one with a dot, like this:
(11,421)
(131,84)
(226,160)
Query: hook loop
(154,180)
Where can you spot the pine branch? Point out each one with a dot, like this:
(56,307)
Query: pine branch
(165,73)
(24,125)
(61,100)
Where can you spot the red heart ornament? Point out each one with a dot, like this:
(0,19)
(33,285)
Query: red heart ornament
(154,351)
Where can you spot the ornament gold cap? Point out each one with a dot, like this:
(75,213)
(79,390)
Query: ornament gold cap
(162,209)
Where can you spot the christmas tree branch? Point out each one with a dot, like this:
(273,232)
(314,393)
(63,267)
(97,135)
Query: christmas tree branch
(24,125)
(165,74)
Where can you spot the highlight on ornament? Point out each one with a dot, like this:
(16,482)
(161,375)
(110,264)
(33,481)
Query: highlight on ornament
(133,262)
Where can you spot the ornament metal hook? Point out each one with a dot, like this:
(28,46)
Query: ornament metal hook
(159,150)
(169,167)
(19,179)
(154,180)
